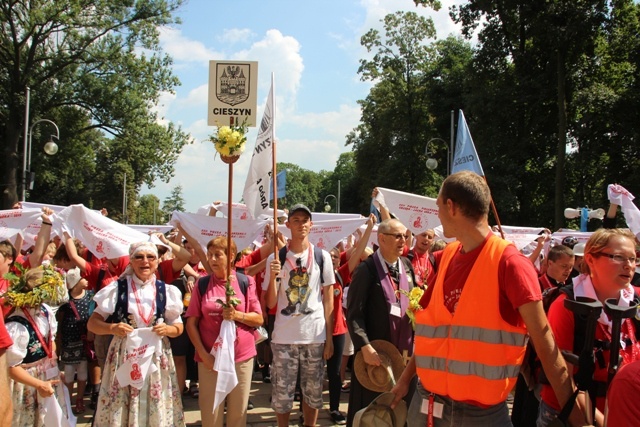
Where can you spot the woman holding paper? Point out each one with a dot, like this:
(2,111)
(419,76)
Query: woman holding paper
(205,317)
(139,386)
(33,365)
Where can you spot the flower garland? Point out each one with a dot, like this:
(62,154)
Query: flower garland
(230,140)
(415,295)
(51,289)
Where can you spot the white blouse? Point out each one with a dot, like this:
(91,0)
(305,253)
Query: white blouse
(105,301)
(20,334)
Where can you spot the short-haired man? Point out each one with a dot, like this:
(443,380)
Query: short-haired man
(376,310)
(470,337)
(304,320)
(560,261)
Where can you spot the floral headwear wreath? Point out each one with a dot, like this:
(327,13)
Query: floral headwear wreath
(51,288)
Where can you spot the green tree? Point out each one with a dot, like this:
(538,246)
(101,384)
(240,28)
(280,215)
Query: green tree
(149,212)
(417,83)
(91,66)
(174,202)
(303,186)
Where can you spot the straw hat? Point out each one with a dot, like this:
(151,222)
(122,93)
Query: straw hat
(380,378)
(380,414)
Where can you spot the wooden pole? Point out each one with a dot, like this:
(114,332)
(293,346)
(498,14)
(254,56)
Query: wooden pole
(495,211)
(229,218)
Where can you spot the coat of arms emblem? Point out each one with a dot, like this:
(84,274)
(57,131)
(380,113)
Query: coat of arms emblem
(232,83)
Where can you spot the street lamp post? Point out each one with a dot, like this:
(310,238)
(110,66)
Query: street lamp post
(50,148)
(327,206)
(585,214)
(432,163)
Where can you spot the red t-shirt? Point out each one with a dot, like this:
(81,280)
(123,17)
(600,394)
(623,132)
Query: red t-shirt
(623,409)
(90,257)
(422,268)
(249,260)
(92,273)
(5,339)
(339,319)
(165,271)
(517,279)
(562,324)
(4,286)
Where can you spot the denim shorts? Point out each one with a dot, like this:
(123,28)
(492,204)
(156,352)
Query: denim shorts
(457,413)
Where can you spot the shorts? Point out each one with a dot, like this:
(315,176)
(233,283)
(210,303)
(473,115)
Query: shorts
(101,344)
(287,360)
(348,345)
(180,344)
(77,370)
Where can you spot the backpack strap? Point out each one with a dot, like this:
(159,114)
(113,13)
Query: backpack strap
(203,282)
(101,274)
(317,257)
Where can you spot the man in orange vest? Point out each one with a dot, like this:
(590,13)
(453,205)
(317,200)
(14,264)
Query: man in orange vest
(470,338)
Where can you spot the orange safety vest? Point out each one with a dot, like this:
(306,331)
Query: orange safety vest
(472,355)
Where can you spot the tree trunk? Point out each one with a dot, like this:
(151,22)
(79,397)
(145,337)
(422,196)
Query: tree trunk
(562,140)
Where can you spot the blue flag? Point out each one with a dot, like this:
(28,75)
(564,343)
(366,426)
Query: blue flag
(465,156)
(281,177)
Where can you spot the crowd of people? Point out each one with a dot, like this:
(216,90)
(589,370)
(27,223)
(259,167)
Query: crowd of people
(445,333)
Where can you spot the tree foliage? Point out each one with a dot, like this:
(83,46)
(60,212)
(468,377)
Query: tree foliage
(95,68)
(543,74)
(174,202)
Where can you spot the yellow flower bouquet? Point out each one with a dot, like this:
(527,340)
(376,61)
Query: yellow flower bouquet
(230,141)
(415,295)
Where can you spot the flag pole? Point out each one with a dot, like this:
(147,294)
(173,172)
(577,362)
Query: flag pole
(274,173)
(495,211)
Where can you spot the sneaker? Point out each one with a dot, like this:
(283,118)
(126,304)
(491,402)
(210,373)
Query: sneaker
(266,379)
(249,405)
(338,418)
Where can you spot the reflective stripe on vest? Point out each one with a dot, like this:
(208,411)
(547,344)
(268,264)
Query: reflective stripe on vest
(472,354)
(489,336)
(468,368)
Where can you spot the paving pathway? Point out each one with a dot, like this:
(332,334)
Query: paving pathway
(260,416)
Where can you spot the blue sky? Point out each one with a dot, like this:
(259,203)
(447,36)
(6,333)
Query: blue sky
(313,49)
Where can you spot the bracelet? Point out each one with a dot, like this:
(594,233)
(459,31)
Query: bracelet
(46,223)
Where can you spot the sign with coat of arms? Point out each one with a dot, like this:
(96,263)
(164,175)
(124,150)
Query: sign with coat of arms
(233,90)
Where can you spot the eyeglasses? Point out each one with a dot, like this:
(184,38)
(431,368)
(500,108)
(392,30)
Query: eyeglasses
(398,236)
(142,257)
(620,259)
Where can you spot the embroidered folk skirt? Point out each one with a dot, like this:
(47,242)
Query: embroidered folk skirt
(28,406)
(158,403)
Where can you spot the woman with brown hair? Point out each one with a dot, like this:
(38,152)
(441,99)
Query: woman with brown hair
(204,320)
(609,264)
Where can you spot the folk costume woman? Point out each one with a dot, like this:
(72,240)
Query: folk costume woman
(139,310)
(32,360)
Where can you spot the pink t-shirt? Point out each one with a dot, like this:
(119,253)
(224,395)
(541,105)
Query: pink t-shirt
(209,313)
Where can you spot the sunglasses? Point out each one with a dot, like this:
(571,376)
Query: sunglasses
(143,257)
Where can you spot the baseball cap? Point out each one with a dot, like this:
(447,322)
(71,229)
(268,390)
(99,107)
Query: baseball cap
(299,207)
(578,250)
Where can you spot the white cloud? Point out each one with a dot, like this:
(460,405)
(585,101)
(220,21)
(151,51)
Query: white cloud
(183,49)
(236,35)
